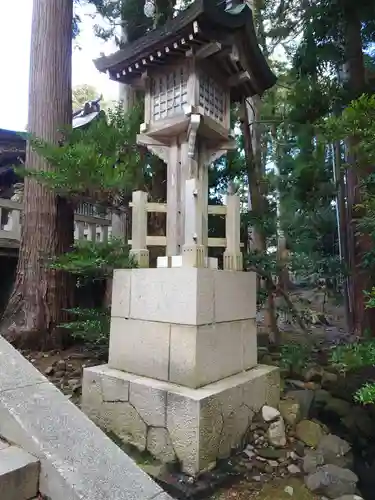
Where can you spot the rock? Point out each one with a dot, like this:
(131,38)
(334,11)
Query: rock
(249,453)
(299,448)
(299,384)
(266,359)
(360,419)
(269,414)
(304,398)
(332,447)
(290,411)
(313,386)
(329,379)
(49,371)
(321,398)
(268,469)
(311,461)
(309,432)
(338,407)
(349,497)
(332,481)
(271,453)
(259,465)
(276,433)
(60,365)
(313,374)
(289,490)
(293,469)
(75,385)
(59,374)
(273,463)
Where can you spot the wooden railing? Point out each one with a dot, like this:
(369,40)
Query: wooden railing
(231,243)
(87,227)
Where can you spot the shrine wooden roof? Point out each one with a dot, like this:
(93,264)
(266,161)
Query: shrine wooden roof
(204,22)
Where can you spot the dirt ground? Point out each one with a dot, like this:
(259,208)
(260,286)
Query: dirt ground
(285,489)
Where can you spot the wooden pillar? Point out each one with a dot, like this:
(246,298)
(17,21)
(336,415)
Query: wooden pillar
(139,229)
(233,259)
(118,221)
(174,218)
(193,254)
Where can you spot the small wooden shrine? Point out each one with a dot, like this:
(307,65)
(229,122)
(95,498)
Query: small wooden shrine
(191,69)
(182,379)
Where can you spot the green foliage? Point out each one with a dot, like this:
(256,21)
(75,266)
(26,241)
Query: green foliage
(92,261)
(99,163)
(370,296)
(353,356)
(366,394)
(90,326)
(294,356)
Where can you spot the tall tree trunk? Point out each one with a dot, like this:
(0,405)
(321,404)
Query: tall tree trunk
(127,97)
(358,244)
(342,227)
(252,143)
(36,306)
(282,251)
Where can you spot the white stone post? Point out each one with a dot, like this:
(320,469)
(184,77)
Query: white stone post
(233,259)
(139,229)
(193,251)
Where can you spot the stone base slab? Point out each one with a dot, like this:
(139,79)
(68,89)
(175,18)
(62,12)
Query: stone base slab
(187,355)
(183,295)
(194,426)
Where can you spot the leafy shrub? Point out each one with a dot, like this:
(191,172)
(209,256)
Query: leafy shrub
(294,356)
(353,356)
(92,261)
(91,326)
(366,394)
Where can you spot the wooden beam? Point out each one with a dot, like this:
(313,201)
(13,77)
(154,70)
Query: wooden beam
(208,50)
(161,241)
(239,78)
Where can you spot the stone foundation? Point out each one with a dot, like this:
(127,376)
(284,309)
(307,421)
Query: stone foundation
(182,379)
(194,426)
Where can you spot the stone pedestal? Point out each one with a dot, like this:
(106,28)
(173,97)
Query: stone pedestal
(182,379)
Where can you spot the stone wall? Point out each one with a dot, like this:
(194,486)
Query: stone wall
(78,461)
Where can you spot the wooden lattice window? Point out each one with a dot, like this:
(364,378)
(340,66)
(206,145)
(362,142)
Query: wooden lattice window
(169,94)
(211,98)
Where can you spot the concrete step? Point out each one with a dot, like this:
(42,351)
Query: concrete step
(19,473)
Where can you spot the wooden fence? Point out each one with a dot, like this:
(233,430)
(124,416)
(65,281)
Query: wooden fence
(97,227)
(87,227)
(141,240)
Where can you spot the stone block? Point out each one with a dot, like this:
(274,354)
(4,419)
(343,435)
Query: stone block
(140,347)
(203,354)
(19,474)
(184,295)
(159,444)
(78,461)
(201,424)
(15,370)
(175,295)
(121,287)
(150,402)
(235,295)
